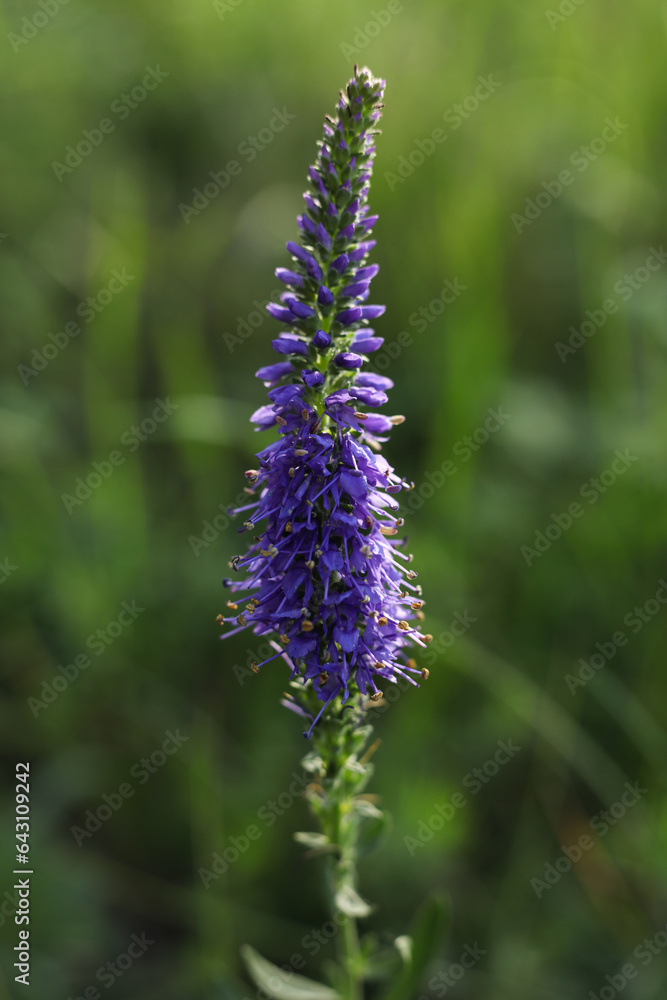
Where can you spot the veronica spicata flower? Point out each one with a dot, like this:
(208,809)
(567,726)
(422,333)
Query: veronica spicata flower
(326,575)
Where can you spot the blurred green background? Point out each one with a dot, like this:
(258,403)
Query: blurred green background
(169,336)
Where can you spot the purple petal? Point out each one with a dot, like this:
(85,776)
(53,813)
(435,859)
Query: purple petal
(373,381)
(289,343)
(289,277)
(311,377)
(321,339)
(349,316)
(264,417)
(271,373)
(341,263)
(348,360)
(279,312)
(323,237)
(372,312)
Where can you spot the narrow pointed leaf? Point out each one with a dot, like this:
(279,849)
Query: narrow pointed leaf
(280,984)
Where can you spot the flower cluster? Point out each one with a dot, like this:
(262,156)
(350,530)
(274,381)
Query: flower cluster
(327,577)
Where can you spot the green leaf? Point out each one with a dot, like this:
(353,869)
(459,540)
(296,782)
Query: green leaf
(373,826)
(315,841)
(426,934)
(281,984)
(350,903)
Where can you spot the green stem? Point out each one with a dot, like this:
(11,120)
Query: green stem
(350,958)
(341,776)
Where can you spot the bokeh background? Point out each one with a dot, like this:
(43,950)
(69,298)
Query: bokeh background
(170,333)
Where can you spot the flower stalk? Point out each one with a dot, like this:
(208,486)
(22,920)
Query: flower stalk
(326,575)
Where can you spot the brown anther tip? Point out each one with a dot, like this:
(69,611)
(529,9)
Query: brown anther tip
(360,416)
(310,564)
(411,663)
(405,626)
(387,531)
(288,527)
(416,605)
(300,452)
(291,471)
(220,619)
(398,419)
(281,421)
(376,696)
(427,638)
(251,473)
(250,608)
(248,524)
(399,522)
(246,489)
(420,616)
(382,620)
(254,668)
(324,677)
(307,626)
(425,673)
(284,638)
(241,620)
(305,413)
(255,602)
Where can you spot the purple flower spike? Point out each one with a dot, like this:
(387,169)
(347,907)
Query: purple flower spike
(326,577)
